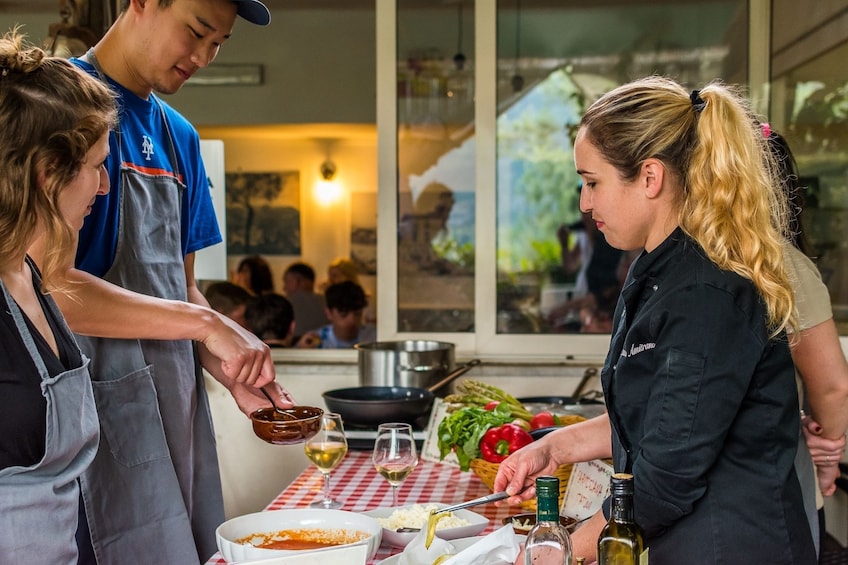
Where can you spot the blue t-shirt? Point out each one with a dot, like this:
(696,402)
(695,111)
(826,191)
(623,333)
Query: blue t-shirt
(145,147)
(367,333)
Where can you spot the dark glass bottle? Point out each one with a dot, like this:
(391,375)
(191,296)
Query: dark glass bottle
(548,542)
(621,541)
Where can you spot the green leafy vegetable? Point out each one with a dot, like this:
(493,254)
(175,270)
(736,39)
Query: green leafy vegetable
(464,428)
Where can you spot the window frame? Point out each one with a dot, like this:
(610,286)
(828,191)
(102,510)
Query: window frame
(484,340)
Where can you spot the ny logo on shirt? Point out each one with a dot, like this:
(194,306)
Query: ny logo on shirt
(147,146)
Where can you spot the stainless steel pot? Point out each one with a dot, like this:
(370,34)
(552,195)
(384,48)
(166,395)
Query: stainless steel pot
(410,363)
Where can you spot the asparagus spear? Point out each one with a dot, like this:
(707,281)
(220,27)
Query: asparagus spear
(477,393)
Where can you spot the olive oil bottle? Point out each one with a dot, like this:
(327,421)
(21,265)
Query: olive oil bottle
(548,542)
(621,541)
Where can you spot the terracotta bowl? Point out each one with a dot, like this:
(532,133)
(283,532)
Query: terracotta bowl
(293,425)
(522,523)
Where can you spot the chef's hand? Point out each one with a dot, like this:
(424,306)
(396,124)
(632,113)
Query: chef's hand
(242,356)
(250,399)
(517,473)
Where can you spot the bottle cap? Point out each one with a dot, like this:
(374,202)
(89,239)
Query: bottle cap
(547,486)
(622,484)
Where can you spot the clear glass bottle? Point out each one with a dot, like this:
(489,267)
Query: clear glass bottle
(621,541)
(548,542)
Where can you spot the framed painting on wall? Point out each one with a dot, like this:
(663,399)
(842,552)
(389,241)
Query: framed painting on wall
(363,232)
(263,213)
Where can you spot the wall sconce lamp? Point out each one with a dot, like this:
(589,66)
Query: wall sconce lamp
(328,170)
(327,190)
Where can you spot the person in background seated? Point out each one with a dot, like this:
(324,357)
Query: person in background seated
(271,317)
(340,270)
(229,299)
(343,269)
(254,274)
(299,288)
(345,304)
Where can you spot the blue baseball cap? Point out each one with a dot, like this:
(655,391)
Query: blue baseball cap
(254,11)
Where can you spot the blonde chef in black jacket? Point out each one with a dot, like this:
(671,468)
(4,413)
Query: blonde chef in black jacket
(698,381)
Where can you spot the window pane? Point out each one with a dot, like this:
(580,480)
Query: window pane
(435,80)
(810,107)
(555,272)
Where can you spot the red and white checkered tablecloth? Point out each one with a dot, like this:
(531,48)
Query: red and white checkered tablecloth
(357,484)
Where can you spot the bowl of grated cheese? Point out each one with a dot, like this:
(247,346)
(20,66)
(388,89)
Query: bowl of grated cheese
(523,523)
(459,524)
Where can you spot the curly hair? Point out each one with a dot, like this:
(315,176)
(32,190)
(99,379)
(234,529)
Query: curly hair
(51,114)
(730,200)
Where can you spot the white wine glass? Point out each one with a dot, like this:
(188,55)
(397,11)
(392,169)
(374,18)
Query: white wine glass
(394,454)
(326,449)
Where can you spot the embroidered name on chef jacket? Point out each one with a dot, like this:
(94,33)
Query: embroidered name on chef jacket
(637,349)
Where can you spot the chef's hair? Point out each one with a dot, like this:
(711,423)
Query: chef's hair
(51,114)
(708,141)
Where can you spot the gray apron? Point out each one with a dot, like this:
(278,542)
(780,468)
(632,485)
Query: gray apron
(39,504)
(153,493)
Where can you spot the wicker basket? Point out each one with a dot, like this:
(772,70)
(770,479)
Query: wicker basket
(487,472)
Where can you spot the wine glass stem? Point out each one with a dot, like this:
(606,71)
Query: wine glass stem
(327,497)
(394,495)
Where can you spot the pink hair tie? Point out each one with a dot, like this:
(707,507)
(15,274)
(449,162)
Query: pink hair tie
(766,130)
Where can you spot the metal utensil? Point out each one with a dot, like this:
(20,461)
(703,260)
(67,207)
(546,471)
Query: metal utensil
(274,404)
(494,497)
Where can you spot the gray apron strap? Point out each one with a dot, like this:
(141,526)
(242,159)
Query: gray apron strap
(44,497)
(23,328)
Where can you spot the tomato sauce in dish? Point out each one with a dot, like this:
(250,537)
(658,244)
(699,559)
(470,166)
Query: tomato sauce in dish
(303,539)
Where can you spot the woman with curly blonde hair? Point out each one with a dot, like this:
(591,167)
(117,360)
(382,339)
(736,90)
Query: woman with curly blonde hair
(55,121)
(699,384)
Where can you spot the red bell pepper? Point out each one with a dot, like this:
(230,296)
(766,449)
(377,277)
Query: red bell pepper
(498,443)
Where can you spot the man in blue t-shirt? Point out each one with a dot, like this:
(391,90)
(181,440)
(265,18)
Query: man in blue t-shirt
(154,487)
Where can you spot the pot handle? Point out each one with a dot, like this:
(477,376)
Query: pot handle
(455,374)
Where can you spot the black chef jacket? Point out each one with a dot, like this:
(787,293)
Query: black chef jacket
(704,412)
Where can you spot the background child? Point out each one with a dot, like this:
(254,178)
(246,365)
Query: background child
(345,304)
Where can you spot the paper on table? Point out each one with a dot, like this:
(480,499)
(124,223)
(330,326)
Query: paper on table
(430,449)
(352,555)
(501,546)
(588,487)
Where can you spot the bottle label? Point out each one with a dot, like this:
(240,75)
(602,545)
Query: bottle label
(643,557)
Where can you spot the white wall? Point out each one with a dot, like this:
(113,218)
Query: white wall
(319,68)
(325,228)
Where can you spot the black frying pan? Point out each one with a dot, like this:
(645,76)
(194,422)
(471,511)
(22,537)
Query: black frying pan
(373,405)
